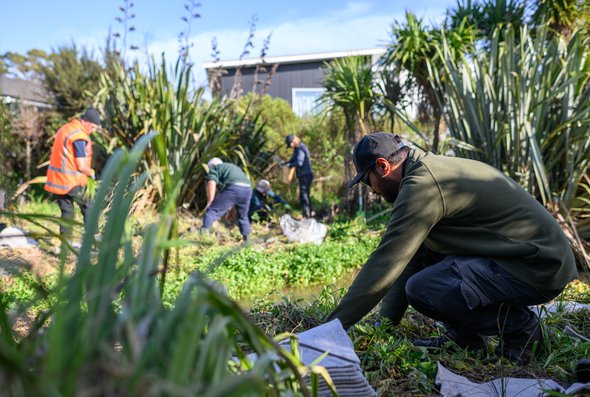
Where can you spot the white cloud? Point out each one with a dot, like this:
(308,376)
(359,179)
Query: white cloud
(356,26)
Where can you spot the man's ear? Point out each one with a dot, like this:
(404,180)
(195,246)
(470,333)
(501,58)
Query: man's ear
(382,166)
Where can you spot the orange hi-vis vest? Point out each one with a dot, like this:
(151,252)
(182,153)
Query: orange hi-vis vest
(62,174)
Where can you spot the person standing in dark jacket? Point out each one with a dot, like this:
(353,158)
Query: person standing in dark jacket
(301,161)
(465,245)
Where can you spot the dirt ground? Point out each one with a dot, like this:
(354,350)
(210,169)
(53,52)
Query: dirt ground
(33,260)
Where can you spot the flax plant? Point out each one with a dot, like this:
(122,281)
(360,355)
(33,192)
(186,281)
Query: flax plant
(524,107)
(192,130)
(107,331)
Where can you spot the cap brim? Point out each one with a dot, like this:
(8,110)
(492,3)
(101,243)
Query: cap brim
(355,180)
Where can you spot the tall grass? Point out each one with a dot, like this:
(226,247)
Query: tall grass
(524,107)
(108,332)
(192,130)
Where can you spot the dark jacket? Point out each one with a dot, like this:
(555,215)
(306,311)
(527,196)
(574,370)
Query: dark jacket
(301,160)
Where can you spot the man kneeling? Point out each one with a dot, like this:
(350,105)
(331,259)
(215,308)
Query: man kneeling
(465,245)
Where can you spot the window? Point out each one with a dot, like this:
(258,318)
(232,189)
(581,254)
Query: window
(304,100)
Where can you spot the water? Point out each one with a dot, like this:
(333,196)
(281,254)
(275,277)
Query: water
(305,293)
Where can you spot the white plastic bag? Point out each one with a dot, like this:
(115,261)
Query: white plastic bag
(13,237)
(306,231)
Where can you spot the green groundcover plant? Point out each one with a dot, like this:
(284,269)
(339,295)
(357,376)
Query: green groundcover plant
(106,330)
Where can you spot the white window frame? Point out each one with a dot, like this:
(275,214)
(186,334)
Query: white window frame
(316,108)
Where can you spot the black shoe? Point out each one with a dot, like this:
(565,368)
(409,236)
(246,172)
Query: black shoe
(463,340)
(519,347)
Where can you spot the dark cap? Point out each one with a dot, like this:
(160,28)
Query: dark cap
(92,116)
(289,139)
(370,148)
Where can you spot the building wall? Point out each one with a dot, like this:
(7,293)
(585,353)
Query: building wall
(286,77)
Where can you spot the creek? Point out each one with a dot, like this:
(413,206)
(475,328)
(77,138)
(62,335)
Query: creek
(306,294)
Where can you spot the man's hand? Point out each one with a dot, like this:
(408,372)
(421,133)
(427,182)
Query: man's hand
(83,165)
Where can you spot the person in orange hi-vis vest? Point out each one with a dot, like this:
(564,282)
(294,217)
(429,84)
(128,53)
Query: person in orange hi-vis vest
(70,165)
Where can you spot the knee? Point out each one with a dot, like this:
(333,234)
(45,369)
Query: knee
(416,290)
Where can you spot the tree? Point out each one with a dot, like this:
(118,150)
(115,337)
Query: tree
(412,47)
(350,88)
(561,16)
(485,17)
(72,78)
(26,66)
(29,128)
(499,13)
(275,113)
(465,11)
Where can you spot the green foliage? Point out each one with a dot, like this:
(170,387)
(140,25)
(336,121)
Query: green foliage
(27,66)
(108,332)
(71,76)
(393,366)
(255,271)
(192,131)
(412,49)
(498,14)
(275,113)
(561,15)
(350,87)
(524,109)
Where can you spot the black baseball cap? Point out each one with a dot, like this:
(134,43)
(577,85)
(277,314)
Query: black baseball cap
(370,148)
(92,116)
(288,139)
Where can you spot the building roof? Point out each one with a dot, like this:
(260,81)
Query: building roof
(28,91)
(294,58)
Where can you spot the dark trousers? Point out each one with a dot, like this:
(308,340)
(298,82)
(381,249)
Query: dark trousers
(304,190)
(475,295)
(66,205)
(231,196)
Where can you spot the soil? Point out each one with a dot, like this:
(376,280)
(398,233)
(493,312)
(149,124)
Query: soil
(32,260)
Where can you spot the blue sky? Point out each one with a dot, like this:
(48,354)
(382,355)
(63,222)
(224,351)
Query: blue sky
(298,27)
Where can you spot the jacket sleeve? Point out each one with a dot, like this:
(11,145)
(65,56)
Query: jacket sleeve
(275,197)
(213,175)
(297,159)
(395,301)
(418,207)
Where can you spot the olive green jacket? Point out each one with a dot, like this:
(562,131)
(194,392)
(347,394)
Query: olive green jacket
(457,206)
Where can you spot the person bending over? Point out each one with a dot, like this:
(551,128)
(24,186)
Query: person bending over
(465,245)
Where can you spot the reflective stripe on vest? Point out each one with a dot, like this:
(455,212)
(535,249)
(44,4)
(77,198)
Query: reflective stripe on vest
(52,168)
(55,185)
(62,173)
